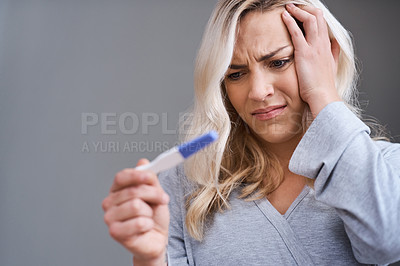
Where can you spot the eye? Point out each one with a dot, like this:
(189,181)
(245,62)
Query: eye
(235,76)
(279,63)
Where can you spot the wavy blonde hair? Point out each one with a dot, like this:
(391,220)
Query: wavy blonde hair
(237,159)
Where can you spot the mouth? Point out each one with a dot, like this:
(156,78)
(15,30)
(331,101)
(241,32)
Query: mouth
(269,112)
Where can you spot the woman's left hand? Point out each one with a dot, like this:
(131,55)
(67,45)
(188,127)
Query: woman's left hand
(315,56)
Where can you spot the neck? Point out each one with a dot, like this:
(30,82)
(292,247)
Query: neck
(284,151)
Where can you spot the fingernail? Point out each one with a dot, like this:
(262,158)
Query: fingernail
(291,5)
(285,13)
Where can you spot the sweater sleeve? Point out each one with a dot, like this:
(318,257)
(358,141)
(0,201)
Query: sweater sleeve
(171,181)
(358,177)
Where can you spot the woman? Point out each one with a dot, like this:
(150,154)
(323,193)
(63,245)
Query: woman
(295,177)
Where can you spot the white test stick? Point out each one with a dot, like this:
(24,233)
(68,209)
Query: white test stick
(178,154)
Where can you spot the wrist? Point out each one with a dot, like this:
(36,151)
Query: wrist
(319,102)
(157,261)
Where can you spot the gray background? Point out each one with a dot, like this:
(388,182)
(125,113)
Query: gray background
(63,58)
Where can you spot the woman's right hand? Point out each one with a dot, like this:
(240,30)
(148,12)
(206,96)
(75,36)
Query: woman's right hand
(137,215)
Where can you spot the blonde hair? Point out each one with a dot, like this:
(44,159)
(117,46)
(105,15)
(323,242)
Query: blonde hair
(237,159)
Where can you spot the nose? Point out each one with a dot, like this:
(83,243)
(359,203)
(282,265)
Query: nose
(261,87)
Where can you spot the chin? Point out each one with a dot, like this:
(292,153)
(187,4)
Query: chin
(280,136)
(277,139)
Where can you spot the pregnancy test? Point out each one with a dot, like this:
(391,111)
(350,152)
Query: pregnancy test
(178,154)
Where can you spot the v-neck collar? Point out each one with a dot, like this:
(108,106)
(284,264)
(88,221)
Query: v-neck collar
(283,227)
(292,207)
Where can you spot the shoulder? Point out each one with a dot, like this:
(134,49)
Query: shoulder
(175,182)
(390,151)
(170,179)
(388,148)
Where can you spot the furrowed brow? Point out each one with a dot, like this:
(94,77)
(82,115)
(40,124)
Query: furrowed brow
(271,54)
(262,58)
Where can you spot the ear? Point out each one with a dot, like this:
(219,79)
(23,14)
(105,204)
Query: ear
(335,48)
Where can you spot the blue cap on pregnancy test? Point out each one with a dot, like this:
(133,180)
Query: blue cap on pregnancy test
(178,154)
(191,147)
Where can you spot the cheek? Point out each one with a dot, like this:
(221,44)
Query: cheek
(290,84)
(237,97)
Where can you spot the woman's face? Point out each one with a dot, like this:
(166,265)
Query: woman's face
(261,81)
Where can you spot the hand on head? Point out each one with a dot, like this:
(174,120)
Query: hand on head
(316,56)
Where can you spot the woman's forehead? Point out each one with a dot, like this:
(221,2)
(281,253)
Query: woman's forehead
(260,23)
(264,31)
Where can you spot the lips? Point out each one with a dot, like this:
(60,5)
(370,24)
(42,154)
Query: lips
(269,112)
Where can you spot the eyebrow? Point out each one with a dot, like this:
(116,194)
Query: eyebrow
(262,58)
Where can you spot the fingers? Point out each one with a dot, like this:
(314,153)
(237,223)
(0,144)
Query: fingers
(136,212)
(309,21)
(124,230)
(142,162)
(294,30)
(132,177)
(131,209)
(319,15)
(147,193)
(313,21)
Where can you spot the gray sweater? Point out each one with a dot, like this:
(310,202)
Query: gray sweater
(351,217)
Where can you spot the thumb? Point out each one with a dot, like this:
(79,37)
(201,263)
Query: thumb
(142,161)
